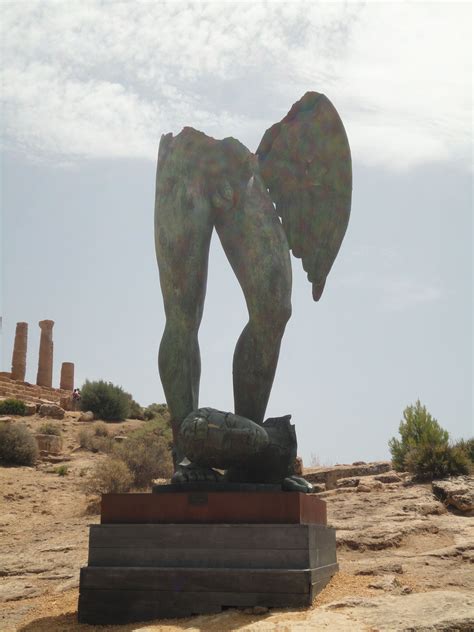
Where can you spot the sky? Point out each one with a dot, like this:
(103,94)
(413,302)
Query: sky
(88,88)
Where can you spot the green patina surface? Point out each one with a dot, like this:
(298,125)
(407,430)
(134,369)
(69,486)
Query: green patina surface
(302,173)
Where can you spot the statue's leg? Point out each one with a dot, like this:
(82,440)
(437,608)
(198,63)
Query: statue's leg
(183,228)
(256,246)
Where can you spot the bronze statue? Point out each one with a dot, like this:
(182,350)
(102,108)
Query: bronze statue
(301,173)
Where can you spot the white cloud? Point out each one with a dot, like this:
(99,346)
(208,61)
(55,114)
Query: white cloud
(101,79)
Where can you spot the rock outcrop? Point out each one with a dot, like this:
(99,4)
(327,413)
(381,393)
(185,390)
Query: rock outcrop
(457,492)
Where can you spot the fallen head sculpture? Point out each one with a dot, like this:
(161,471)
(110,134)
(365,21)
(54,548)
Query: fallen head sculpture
(301,173)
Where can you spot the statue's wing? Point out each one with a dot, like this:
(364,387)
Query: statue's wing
(305,162)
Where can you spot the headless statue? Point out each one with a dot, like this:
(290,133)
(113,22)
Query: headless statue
(300,173)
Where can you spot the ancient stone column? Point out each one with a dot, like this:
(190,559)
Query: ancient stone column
(19,352)
(45,362)
(67,376)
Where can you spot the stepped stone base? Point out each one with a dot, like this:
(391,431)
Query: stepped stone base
(139,572)
(27,392)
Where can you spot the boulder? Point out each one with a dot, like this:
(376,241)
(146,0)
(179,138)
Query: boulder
(389,477)
(386,583)
(381,569)
(49,444)
(86,416)
(348,482)
(51,410)
(457,492)
(30,408)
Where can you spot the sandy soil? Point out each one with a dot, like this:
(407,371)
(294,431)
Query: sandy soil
(44,538)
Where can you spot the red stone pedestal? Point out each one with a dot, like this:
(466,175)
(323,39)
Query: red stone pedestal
(183,553)
(214,508)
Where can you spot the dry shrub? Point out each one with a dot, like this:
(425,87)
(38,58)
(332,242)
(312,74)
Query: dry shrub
(50,428)
(147,454)
(110,476)
(17,445)
(100,429)
(96,439)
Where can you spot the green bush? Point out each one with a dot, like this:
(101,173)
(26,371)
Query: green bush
(50,428)
(147,453)
(110,476)
(17,445)
(105,400)
(423,448)
(430,461)
(136,411)
(13,407)
(467,446)
(155,410)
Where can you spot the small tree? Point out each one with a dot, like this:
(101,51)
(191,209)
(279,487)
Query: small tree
(423,447)
(105,400)
(418,427)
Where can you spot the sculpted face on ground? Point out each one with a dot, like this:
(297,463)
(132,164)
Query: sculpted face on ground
(301,173)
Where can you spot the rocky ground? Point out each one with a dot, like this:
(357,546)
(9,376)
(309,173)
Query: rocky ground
(405,559)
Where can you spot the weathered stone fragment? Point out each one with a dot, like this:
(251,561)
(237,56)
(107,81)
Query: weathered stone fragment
(51,410)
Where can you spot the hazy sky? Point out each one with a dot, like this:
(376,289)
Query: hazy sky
(87,90)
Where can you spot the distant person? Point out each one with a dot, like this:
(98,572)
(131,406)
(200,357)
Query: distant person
(76,398)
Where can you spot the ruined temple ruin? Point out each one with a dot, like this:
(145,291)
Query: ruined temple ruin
(12,384)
